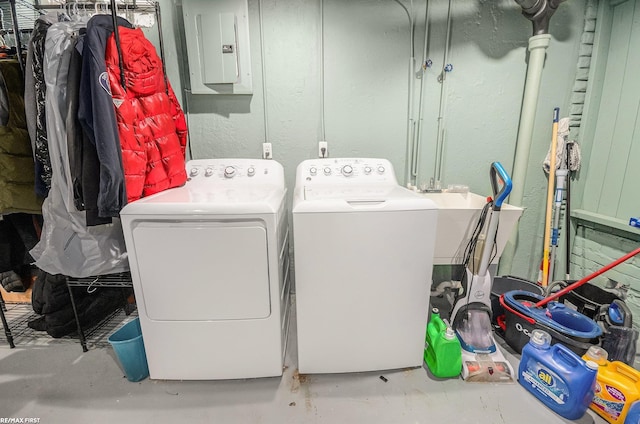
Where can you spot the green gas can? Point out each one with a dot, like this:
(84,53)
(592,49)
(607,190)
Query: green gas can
(442,351)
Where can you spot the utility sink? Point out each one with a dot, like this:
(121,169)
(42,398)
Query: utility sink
(457,217)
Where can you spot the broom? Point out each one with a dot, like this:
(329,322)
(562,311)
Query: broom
(550,193)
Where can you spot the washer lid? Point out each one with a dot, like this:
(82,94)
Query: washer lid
(206,200)
(360,198)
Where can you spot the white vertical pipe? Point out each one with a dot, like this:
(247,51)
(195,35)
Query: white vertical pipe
(409,179)
(537,51)
(418,138)
(437,171)
(322,125)
(264,74)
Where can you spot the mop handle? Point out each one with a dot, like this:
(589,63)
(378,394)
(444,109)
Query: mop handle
(587,278)
(550,192)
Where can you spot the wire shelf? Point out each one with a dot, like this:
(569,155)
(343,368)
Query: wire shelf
(20,314)
(122,280)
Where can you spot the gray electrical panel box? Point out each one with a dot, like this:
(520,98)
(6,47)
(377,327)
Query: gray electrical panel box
(217,41)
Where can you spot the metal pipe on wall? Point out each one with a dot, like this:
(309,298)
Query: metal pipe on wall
(537,51)
(424,67)
(539,12)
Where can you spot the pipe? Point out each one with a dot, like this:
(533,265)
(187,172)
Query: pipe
(418,138)
(437,172)
(263,74)
(537,51)
(539,12)
(409,180)
(323,136)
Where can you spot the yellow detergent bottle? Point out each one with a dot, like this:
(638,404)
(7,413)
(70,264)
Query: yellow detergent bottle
(617,386)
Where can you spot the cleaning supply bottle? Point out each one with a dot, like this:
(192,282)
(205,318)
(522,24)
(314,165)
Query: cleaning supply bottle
(617,387)
(557,376)
(633,415)
(442,351)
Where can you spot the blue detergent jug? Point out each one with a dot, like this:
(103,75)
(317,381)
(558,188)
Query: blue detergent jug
(557,376)
(633,416)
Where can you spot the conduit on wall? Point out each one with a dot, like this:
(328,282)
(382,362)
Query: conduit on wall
(409,178)
(321,48)
(423,74)
(264,73)
(437,171)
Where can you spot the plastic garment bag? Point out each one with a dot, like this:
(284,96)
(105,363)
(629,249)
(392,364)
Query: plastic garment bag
(67,246)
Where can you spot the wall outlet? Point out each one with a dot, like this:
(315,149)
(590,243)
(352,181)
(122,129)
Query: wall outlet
(266,151)
(323,149)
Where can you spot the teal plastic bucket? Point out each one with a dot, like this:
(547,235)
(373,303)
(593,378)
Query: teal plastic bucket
(129,348)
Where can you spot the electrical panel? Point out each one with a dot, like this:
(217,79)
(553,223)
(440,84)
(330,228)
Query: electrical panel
(217,42)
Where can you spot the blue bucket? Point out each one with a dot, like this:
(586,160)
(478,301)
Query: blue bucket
(129,348)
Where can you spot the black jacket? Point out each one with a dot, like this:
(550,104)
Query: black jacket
(97,115)
(83,158)
(43,162)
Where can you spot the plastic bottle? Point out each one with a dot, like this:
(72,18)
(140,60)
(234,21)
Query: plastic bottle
(617,387)
(442,351)
(557,376)
(633,415)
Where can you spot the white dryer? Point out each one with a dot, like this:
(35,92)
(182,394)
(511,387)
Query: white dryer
(209,263)
(363,250)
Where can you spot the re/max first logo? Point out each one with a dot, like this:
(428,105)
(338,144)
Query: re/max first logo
(545,377)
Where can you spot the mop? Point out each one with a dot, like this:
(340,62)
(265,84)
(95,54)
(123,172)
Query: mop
(550,191)
(482,360)
(567,159)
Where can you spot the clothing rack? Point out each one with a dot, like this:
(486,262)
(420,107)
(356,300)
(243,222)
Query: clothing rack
(16,33)
(114,6)
(121,280)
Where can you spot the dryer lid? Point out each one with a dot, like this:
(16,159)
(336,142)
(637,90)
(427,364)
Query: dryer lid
(199,200)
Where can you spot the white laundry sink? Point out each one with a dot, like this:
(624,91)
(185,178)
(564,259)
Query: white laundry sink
(457,217)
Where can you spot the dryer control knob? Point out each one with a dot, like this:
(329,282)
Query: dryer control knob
(208,172)
(327,170)
(229,172)
(367,170)
(193,172)
(313,170)
(251,171)
(347,170)
(381,169)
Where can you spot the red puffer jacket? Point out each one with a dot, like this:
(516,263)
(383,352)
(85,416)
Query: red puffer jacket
(151,125)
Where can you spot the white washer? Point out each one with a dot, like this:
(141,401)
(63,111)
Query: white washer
(363,250)
(209,263)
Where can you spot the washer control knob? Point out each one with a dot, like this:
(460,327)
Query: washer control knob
(327,170)
(208,172)
(229,172)
(194,172)
(367,170)
(347,170)
(313,170)
(251,171)
(381,169)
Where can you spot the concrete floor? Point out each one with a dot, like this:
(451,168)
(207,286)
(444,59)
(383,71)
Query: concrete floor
(59,383)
